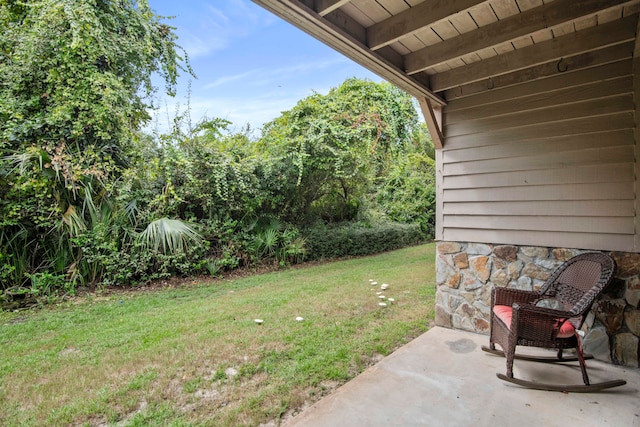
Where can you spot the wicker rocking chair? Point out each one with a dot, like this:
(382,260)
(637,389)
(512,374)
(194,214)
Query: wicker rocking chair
(550,318)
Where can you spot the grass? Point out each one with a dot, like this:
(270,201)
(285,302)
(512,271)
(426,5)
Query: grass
(195,356)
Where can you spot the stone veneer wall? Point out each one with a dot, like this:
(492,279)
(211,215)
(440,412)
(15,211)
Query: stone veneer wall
(466,273)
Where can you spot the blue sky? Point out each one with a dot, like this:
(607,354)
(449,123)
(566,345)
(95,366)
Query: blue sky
(251,65)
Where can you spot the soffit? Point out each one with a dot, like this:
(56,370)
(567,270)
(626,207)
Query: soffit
(446,49)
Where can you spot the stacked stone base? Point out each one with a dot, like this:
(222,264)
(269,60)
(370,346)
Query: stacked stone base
(466,273)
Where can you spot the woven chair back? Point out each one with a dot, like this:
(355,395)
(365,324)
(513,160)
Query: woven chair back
(578,282)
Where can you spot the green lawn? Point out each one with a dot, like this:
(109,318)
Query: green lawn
(195,355)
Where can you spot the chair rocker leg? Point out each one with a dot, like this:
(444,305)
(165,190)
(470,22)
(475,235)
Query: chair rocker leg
(565,388)
(542,359)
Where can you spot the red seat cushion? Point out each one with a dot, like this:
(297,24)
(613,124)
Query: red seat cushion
(505,313)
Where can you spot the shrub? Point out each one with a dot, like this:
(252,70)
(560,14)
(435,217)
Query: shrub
(324,242)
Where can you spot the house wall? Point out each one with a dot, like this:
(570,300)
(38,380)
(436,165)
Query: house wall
(527,174)
(550,162)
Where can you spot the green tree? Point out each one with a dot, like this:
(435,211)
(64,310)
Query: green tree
(76,87)
(333,147)
(407,194)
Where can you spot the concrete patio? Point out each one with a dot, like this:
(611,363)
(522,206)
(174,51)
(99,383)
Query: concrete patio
(443,378)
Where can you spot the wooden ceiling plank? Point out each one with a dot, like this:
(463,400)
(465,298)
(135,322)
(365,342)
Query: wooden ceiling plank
(593,38)
(413,19)
(356,14)
(503,48)
(412,43)
(482,14)
(427,36)
(324,7)
(504,8)
(586,22)
(542,35)
(524,5)
(458,62)
(372,9)
(522,42)
(471,58)
(616,54)
(463,22)
(563,29)
(549,15)
(486,53)
(445,30)
(609,15)
(393,6)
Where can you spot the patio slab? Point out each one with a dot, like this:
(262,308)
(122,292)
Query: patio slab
(443,378)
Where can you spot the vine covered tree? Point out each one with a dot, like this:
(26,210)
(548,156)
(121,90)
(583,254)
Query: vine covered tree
(76,86)
(335,147)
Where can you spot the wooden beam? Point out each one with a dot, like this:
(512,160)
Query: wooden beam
(414,19)
(324,7)
(530,21)
(612,33)
(433,117)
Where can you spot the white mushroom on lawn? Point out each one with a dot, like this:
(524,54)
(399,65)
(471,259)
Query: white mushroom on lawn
(380,294)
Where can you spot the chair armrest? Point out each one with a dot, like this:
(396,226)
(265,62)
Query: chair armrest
(508,297)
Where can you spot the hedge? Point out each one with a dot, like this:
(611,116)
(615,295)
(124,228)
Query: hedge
(323,242)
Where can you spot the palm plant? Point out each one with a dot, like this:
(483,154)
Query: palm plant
(166,235)
(266,236)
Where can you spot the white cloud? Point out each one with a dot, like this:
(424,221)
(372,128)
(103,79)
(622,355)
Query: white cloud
(231,78)
(270,76)
(241,78)
(212,28)
(217,13)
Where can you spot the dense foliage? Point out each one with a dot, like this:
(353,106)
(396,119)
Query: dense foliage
(89,199)
(335,146)
(335,241)
(75,89)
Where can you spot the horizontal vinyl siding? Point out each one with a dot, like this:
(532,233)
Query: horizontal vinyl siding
(550,162)
(549,115)
(574,224)
(551,158)
(600,191)
(571,208)
(599,241)
(540,131)
(598,173)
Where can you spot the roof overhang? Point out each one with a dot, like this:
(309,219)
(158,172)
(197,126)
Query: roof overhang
(438,50)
